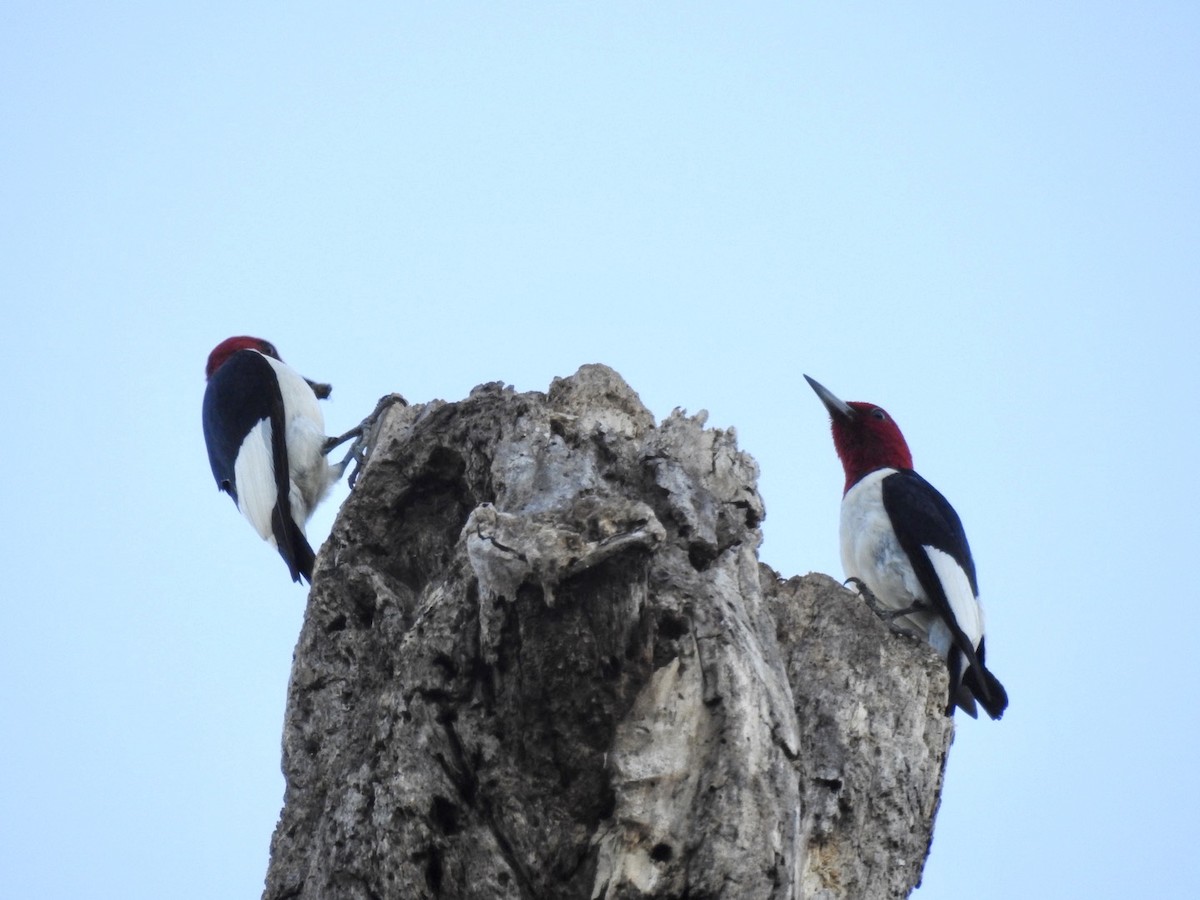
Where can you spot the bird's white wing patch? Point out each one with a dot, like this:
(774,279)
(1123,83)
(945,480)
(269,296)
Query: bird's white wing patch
(309,473)
(254,472)
(967,612)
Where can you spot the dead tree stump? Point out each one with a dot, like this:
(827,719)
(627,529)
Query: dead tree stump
(541,659)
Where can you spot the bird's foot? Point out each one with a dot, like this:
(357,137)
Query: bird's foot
(888,614)
(320,389)
(361,434)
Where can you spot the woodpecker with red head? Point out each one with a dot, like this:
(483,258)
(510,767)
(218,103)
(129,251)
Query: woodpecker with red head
(266,444)
(905,543)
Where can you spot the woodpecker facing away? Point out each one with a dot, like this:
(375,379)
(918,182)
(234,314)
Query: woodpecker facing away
(266,444)
(904,542)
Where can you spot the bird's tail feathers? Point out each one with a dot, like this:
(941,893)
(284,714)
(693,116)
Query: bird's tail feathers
(985,686)
(293,546)
(987,689)
(964,700)
(960,695)
(971,682)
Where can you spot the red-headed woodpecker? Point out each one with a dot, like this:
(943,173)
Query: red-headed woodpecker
(905,543)
(267,445)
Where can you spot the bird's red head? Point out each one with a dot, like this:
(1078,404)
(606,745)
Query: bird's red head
(232,345)
(865,436)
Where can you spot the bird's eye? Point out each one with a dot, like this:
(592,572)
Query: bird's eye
(879,414)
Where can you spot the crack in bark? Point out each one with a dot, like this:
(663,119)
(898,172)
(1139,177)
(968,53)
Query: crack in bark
(469,790)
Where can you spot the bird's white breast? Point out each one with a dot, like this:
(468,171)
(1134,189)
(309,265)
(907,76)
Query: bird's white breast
(870,549)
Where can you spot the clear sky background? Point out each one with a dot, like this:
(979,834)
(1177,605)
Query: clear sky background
(984,217)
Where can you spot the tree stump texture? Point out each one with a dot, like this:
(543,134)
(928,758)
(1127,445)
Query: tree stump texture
(541,659)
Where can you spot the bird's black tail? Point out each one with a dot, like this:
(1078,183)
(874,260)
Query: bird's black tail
(293,546)
(971,681)
(987,689)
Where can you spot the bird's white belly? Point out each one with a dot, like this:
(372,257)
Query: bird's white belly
(872,552)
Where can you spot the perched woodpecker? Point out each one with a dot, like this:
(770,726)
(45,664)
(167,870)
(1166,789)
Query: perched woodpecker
(904,542)
(266,444)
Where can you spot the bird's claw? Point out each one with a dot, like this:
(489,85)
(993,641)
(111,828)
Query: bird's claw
(888,615)
(361,434)
(320,389)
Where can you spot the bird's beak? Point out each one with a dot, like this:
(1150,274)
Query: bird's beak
(835,406)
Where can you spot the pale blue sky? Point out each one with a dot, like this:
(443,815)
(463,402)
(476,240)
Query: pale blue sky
(983,217)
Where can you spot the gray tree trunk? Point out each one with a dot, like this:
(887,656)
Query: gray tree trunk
(541,659)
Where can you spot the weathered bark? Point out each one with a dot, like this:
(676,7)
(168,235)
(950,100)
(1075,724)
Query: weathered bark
(541,660)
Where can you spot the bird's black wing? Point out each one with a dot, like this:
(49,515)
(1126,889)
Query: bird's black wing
(922,518)
(237,398)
